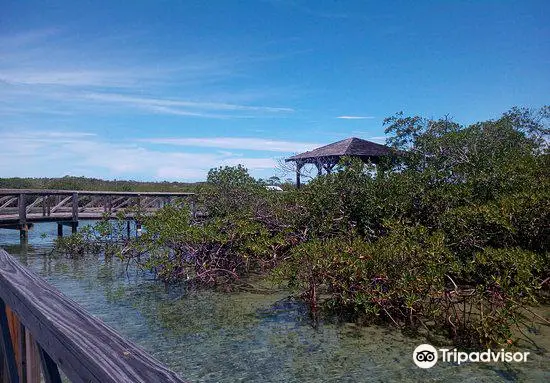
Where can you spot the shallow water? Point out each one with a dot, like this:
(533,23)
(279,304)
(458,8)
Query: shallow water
(214,337)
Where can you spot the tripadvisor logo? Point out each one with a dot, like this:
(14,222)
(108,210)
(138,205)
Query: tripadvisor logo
(426,356)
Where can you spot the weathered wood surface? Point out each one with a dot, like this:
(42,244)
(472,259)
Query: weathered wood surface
(16,334)
(32,358)
(85,348)
(8,364)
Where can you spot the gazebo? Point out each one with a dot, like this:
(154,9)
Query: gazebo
(326,157)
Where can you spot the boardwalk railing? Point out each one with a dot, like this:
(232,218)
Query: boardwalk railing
(41,330)
(20,208)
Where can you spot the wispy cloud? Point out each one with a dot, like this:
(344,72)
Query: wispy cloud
(182,107)
(51,154)
(259,144)
(345,117)
(67,77)
(47,69)
(191,104)
(23,45)
(50,57)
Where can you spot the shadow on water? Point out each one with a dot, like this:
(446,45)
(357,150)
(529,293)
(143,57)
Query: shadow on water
(209,336)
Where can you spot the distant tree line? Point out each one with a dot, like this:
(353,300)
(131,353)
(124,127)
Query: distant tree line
(85,183)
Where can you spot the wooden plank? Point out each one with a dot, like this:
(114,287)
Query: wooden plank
(60,204)
(17,340)
(4,199)
(44,203)
(10,370)
(127,201)
(146,201)
(34,203)
(93,201)
(32,359)
(9,202)
(152,202)
(46,206)
(85,348)
(21,205)
(112,203)
(75,207)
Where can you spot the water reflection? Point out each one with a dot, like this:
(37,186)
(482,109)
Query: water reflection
(216,337)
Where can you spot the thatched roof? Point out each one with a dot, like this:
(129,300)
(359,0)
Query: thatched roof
(352,146)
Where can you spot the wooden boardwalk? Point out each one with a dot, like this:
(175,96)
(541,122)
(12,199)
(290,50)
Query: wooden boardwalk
(42,331)
(21,208)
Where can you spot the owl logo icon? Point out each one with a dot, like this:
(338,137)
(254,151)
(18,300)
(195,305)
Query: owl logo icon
(425,356)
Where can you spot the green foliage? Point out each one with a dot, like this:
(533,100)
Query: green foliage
(229,190)
(242,234)
(85,183)
(392,278)
(456,233)
(511,271)
(106,236)
(230,177)
(453,235)
(78,244)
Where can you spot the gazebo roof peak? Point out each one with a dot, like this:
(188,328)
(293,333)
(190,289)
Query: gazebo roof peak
(351,146)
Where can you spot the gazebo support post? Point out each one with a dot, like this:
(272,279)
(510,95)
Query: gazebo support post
(319,168)
(299,166)
(328,167)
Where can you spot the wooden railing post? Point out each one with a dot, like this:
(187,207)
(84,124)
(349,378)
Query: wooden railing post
(75,207)
(32,358)
(22,206)
(74,223)
(48,209)
(298,169)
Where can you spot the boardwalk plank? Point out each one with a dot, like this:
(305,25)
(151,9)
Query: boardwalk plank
(85,348)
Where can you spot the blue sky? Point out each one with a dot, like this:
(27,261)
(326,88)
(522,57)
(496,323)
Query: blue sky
(169,89)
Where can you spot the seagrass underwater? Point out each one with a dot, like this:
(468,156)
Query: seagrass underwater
(427,356)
